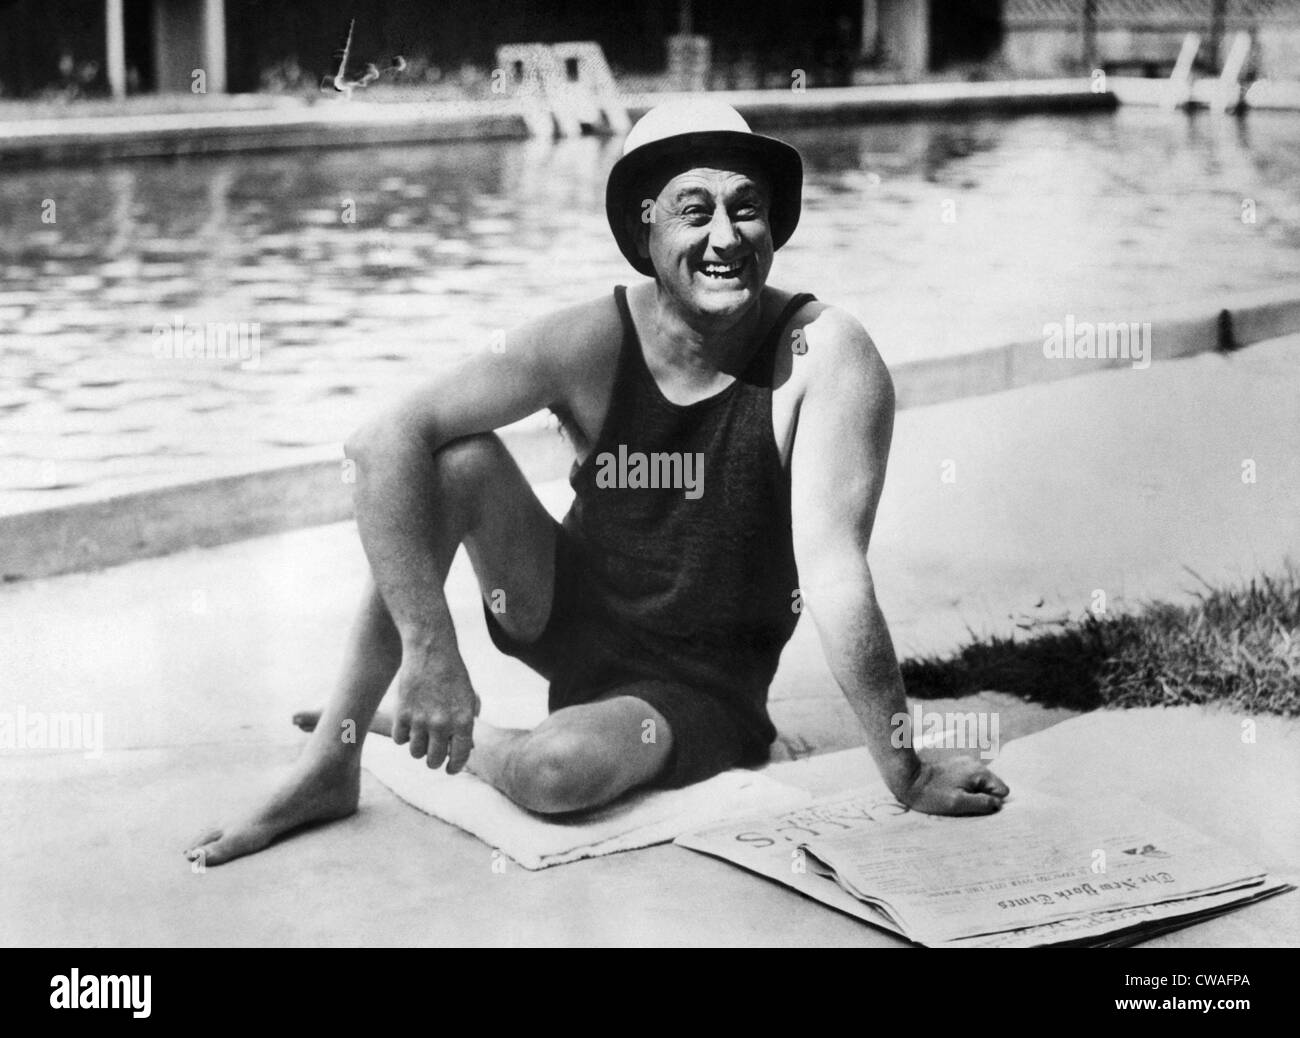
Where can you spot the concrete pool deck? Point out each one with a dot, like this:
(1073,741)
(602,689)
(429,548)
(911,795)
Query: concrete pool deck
(1114,480)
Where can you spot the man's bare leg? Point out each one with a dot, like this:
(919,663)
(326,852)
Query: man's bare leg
(380,724)
(485,502)
(325,782)
(579,757)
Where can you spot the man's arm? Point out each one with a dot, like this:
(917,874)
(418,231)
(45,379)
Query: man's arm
(395,469)
(841,446)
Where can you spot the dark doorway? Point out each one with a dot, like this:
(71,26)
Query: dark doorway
(137,23)
(964,32)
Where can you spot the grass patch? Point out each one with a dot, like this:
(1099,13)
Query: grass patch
(1238,646)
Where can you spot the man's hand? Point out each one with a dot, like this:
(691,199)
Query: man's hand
(436,707)
(954,786)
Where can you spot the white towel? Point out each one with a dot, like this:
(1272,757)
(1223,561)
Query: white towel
(537,842)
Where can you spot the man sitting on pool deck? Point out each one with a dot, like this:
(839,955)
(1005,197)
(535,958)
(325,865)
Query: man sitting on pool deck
(724,430)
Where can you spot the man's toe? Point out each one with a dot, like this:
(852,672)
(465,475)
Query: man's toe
(976,804)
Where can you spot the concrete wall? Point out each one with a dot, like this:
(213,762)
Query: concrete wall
(1043,51)
(1056,51)
(904,32)
(1277,52)
(1047,37)
(1126,45)
(178,43)
(189,35)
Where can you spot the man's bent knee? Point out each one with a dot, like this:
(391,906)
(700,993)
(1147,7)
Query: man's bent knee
(466,466)
(471,460)
(462,468)
(552,771)
(471,457)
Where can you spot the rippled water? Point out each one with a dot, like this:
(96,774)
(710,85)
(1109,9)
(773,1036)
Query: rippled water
(942,236)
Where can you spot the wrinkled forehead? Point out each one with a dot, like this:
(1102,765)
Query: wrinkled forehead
(712,170)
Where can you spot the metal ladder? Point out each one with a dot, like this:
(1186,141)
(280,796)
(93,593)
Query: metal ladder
(1178,92)
(1227,92)
(564,87)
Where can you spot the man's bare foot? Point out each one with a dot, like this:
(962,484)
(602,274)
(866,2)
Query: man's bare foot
(312,792)
(487,759)
(307,720)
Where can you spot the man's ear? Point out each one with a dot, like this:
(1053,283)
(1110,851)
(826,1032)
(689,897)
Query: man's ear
(639,231)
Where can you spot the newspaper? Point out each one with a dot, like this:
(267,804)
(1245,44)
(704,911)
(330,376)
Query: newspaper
(1039,860)
(771,845)
(1122,926)
(1042,871)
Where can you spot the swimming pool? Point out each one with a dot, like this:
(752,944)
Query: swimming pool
(365,269)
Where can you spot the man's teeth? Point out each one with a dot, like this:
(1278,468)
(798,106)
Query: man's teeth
(722,270)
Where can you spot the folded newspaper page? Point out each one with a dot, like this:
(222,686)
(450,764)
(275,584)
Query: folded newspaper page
(1041,860)
(1109,874)
(1122,926)
(770,845)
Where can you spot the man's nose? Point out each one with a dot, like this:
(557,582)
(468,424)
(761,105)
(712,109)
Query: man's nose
(722,232)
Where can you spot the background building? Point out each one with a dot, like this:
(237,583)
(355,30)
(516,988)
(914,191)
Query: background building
(88,47)
(1048,37)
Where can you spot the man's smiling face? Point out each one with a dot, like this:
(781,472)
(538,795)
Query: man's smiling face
(710,240)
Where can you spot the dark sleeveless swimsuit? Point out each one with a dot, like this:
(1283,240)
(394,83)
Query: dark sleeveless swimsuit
(683,601)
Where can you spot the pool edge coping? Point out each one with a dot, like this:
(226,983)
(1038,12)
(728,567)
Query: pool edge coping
(224,131)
